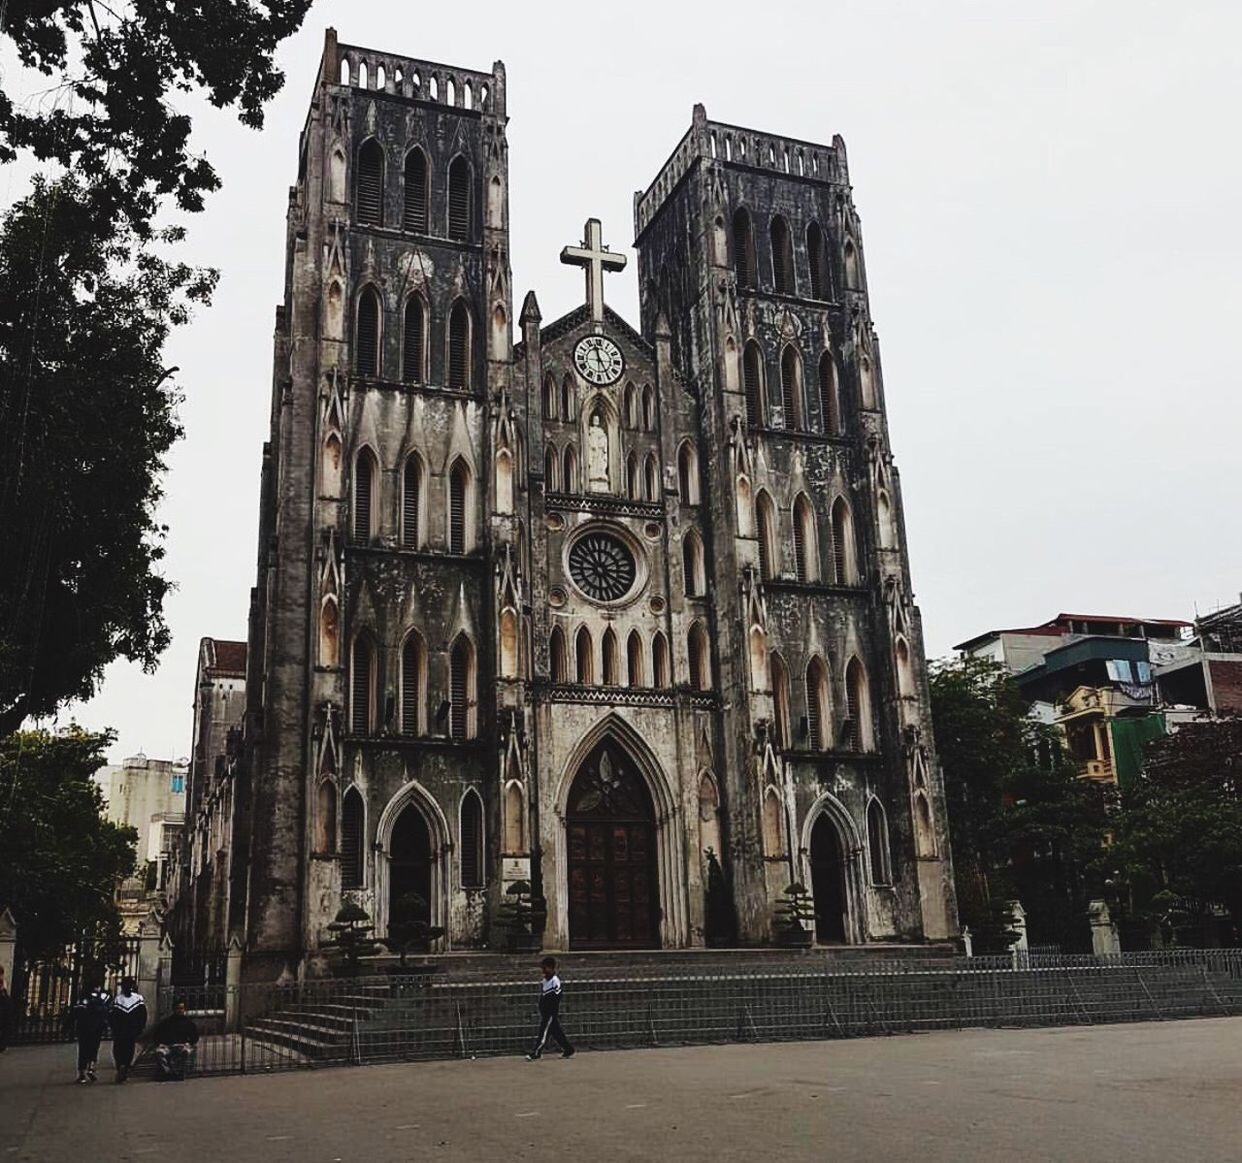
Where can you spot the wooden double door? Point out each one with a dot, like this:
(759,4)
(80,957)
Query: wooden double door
(611,835)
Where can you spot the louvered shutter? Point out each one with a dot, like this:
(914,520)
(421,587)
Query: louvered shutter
(366,335)
(459,200)
(369,211)
(415,209)
(411,488)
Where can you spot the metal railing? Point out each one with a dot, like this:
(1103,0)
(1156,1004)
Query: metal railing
(482,1011)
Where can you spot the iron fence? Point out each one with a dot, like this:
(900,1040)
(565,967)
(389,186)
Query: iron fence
(423,1015)
(44,991)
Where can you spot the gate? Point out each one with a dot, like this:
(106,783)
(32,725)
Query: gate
(44,991)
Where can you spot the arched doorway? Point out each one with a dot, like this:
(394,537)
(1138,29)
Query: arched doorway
(410,861)
(611,834)
(828,882)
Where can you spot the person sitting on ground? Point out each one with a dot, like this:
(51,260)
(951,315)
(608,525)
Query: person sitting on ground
(175,1038)
(128,1019)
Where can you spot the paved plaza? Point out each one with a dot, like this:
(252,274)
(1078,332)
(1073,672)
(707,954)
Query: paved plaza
(1154,1091)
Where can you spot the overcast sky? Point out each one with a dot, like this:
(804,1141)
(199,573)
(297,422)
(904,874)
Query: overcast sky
(1051,207)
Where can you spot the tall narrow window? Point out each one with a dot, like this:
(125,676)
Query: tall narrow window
(752,381)
(329,633)
(551,470)
(698,658)
(817,720)
(549,398)
(878,844)
(829,397)
(570,474)
(414,341)
(858,707)
(688,474)
(608,656)
(782,257)
(634,659)
(653,478)
(660,676)
(367,334)
(352,825)
(866,383)
(806,547)
(459,497)
(743,249)
(780,699)
(567,399)
(649,422)
(843,544)
(557,662)
(471,840)
(362,687)
(413,683)
(851,266)
(365,473)
(817,256)
(633,484)
(905,669)
(461,689)
(325,818)
(414,215)
(369,188)
(584,656)
(791,387)
(693,564)
(459,347)
(629,406)
(459,199)
(884,518)
(765,514)
(411,501)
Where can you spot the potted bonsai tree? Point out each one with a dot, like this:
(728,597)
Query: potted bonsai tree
(515,917)
(408,928)
(351,939)
(794,912)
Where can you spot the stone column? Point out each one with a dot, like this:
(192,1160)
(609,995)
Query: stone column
(1018,946)
(232,987)
(8,948)
(149,963)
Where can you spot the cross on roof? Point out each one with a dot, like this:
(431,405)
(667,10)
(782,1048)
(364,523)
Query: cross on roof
(595,257)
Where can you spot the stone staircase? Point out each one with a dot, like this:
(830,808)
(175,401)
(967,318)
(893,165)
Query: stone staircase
(320,1031)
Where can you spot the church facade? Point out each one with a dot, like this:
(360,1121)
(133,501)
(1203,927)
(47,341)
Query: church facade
(623,612)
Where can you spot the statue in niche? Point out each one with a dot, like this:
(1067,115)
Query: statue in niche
(597,457)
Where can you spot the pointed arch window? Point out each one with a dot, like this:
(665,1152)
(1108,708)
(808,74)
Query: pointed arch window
(330,474)
(367,333)
(829,395)
(362,686)
(567,399)
(584,657)
(459,199)
(470,828)
(366,477)
(694,566)
(411,502)
(688,473)
(817,255)
(858,707)
(414,341)
(743,249)
(352,828)
(609,658)
(461,690)
(879,850)
(413,684)
(649,421)
(660,670)
(549,398)
(806,544)
(633,483)
(791,388)
(924,833)
(634,659)
(551,469)
(414,210)
(752,382)
(369,184)
(773,831)
(884,518)
(570,474)
(780,699)
(459,347)
(558,663)
(515,818)
(782,256)
(765,519)
(459,540)
(329,633)
(630,406)
(843,558)
(866,383)
(817,717)
(698,658)
(325,818)
(905,669)
(653,478)
(851,266)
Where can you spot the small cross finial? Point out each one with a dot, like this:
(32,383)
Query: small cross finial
(595,258)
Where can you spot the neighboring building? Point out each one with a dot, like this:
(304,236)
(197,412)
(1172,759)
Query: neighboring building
(1112,684)
(585,608)
(198,920)
(147,795)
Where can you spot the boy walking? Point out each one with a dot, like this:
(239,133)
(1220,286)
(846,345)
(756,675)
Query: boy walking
(549,1008)
(128,1019)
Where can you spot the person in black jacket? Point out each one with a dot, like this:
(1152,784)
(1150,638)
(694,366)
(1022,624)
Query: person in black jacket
(549,1010)
(175,1038)
(128,1019)
(90,1019)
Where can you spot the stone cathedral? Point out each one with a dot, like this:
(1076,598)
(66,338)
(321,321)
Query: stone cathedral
(621,609)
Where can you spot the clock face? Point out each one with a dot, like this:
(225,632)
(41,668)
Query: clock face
(599,360)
